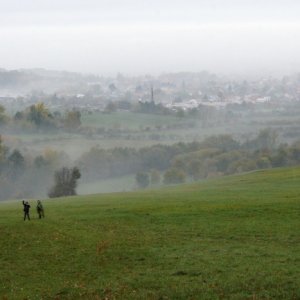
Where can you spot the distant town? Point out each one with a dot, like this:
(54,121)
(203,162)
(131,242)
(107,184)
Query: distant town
(173,91)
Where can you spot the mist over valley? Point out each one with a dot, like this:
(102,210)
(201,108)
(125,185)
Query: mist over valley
(126,133)
(149,149)
(139,94)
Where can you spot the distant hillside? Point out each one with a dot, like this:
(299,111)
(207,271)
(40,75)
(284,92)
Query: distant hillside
(26,80)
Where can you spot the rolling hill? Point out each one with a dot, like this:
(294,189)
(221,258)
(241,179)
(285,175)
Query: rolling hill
(235,237)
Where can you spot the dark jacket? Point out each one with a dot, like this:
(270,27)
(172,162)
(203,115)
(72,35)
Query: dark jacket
(26,207)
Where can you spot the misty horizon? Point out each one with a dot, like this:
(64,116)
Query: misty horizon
(105,38)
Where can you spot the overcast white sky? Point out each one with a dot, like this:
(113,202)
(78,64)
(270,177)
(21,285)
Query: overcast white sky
(139,37)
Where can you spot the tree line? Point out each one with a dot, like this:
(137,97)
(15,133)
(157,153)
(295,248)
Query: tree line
(26,176)
(180,162)
(29,176)
(38,118)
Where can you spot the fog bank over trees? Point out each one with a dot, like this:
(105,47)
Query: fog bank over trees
(26,177)
(126,132)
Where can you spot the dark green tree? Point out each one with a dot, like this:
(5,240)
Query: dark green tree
(65,182)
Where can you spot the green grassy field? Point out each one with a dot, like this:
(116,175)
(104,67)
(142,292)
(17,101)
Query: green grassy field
(231,238)
(119,184)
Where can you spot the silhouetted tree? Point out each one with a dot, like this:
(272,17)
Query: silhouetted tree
(65,182)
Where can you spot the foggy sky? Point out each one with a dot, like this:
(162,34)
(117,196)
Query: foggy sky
(139,37)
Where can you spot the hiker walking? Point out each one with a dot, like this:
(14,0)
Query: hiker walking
(40,209)
(26,210)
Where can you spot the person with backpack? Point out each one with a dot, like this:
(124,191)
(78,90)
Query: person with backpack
(40,209)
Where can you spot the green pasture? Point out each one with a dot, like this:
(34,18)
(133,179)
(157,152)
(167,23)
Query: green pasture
(118,184)
(230,238)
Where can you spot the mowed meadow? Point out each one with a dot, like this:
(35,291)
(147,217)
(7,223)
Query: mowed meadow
(235,237)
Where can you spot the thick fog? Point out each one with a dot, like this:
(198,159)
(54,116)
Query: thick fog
(139,37)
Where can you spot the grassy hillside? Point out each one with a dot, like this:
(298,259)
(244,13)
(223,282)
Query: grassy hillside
(235,237)
(118,184)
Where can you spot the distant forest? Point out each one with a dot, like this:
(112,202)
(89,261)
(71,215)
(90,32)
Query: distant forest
(26,176)
(167,141)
